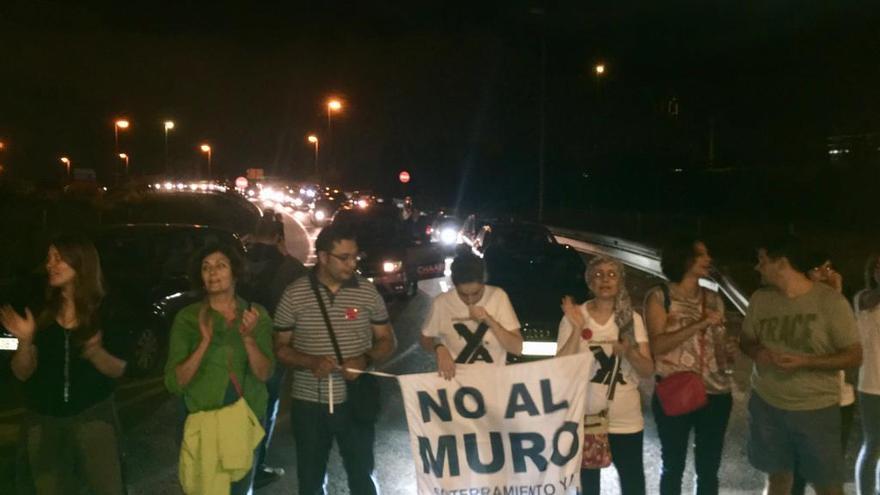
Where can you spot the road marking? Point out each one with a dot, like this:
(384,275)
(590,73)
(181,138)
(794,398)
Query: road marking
(391,362)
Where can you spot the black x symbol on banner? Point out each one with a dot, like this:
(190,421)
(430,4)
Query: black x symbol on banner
(474,350)
(606,368)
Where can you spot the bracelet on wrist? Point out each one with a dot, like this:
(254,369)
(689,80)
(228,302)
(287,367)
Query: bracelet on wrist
(437,345)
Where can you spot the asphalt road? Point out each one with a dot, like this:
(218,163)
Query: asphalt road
(149,413)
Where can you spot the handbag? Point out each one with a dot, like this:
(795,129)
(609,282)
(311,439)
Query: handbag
(596,452)
(682,392)
(363,392)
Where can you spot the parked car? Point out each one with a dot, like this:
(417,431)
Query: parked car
(145,268)
(525,260)
(390,257)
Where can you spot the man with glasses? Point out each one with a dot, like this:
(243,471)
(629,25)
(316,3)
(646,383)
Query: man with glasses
(360,323)
(474,323)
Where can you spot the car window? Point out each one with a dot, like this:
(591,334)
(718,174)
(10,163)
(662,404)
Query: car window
(521,237)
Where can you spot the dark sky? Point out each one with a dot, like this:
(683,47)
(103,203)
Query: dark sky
(447,90)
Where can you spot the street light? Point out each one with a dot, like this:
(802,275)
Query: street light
(207,149)
(124,157)
(169,124)
(119,124)
(334,105)
(600,69)
(314,140)
(66,162)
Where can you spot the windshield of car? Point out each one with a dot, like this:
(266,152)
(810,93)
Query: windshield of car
(518,237)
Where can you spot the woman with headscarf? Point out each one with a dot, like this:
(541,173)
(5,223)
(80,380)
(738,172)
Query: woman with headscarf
(608,327)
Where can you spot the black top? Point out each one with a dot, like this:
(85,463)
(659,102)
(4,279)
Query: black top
(64,383)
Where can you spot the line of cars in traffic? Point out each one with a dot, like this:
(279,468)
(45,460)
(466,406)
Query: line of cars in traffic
(145,264)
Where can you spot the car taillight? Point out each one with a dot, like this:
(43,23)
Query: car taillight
(429,230)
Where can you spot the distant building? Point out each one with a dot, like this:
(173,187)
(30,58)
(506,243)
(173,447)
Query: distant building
(854,151)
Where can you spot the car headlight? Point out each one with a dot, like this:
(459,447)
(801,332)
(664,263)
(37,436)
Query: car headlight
(391,266)
(297,201)
(320,215)
(448,236)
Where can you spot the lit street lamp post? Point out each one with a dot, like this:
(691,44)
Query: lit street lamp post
(119,124)
(66,162)
(207,149)
(124,157)
(334,105)
(314,140)
(168,126)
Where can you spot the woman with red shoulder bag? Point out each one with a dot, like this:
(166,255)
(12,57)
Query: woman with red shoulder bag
(686,326)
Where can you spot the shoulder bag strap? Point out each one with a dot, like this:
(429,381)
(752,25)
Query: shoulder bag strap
(232,377)
(326,316)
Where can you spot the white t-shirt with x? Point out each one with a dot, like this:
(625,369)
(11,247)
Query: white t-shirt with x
(469,341)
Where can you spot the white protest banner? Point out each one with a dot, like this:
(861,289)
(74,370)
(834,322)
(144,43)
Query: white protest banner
(499,430)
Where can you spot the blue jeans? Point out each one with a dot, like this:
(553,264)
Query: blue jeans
(709,424)
(314,429)
(868,465)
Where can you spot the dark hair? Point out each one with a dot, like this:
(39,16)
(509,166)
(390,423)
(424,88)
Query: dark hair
(332,234)
(236,262)
(88,285)
(870,266)
(266,230)
(467,268)
(790,247)
(677,255)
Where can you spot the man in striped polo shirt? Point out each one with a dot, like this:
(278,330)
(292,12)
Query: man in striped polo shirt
(302,342)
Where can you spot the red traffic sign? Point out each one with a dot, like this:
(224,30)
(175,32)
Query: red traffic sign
(404,176)
(241,182)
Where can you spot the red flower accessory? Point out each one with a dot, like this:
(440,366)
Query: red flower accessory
(586,334)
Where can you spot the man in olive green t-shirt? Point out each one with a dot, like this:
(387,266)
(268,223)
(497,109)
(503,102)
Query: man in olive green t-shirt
(799,334)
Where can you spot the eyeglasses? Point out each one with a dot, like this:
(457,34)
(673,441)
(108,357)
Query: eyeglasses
(598,275)
(826,267)
(346,258)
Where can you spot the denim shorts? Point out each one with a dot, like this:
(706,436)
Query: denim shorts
(778,437)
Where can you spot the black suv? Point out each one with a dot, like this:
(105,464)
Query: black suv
(536,271)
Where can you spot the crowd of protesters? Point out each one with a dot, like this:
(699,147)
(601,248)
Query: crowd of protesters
(228,353)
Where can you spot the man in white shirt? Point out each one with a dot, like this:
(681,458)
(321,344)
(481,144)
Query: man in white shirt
(474,323)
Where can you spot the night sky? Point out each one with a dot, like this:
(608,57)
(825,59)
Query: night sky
(447,90)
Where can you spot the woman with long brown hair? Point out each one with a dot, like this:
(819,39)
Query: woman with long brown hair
(70,433)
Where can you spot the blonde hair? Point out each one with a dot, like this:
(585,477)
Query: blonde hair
(623,311)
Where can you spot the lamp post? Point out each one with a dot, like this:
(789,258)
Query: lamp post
(314,140)
(124,157)
(207,149)
(66,162)
(599,71)
(334,105)
(119,124)
(169,124)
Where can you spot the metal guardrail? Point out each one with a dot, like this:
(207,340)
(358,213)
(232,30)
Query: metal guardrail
(641,257)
